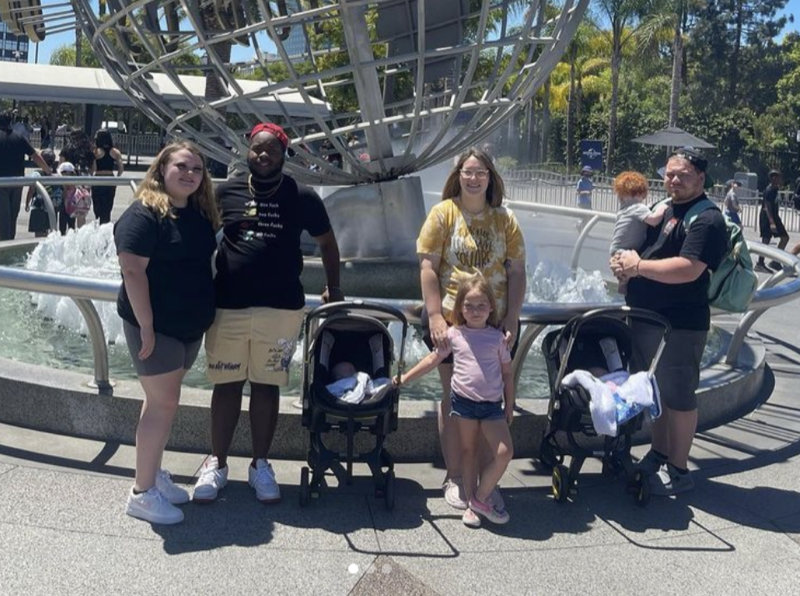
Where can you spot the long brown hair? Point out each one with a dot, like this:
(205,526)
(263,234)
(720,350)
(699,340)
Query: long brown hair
(479,283)
(494,192)
(154,195)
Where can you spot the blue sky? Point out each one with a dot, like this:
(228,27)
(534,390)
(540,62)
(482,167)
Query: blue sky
(54,41)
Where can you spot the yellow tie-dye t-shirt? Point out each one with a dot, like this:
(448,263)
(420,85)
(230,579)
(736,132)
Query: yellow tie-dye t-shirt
(469,243)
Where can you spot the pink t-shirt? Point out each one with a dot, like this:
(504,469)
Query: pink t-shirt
(477,356)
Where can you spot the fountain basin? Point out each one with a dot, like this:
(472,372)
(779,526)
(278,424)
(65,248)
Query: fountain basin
(61,402)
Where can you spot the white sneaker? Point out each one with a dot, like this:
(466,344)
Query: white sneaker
(174,494)
(454,494)
(262,478)
(211,480)
(153,507)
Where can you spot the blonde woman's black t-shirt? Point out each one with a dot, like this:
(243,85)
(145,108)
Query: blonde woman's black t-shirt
(179,271)
(685,305)
(259,261)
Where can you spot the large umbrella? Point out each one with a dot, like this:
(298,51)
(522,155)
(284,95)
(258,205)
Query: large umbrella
(673,136)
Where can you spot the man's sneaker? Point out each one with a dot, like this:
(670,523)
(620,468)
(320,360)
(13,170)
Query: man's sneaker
(762,268)
(669,481)
(212,479)
(153,507)
(262,478)
(775,266)
(470,519)
(174,494)
(490,512)
(454,494)
(651,463)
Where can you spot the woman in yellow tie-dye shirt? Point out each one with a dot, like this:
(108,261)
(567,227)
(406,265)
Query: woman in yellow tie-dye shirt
(468,233)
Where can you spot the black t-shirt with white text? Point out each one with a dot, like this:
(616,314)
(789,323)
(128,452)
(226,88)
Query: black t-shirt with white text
(684,305)
(179,272)
(259,261)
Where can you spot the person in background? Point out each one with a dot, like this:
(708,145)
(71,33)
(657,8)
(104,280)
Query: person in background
(39,221)
(107,161)
(769,221)
(164,242)
(13,149)
(731,204)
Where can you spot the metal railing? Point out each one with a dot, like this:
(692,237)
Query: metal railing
(774,291)
(542,187)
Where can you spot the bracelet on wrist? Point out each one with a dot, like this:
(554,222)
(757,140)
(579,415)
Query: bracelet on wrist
(637,267)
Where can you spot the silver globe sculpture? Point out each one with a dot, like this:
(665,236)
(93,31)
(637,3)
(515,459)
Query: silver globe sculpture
(376,85)
(368,91)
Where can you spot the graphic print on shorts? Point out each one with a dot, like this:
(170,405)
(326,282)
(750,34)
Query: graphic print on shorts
(279,358)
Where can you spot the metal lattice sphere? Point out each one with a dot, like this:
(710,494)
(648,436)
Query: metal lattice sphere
(367,90)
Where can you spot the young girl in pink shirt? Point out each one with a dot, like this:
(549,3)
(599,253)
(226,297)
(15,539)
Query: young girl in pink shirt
(482,393)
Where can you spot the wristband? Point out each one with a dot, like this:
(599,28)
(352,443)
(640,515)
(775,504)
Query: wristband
(637,268)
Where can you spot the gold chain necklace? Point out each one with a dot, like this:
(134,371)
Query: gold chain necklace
(266,195)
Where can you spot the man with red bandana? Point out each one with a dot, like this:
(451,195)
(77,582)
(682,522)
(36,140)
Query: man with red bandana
(260,303)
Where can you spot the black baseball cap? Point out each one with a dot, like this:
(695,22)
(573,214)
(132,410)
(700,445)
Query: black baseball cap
(693,156)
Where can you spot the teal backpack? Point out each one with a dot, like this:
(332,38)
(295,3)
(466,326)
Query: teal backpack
(733,283)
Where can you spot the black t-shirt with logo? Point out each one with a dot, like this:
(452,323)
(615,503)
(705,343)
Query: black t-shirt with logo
(179,271)
(13,149)
(259,260)
(685,305)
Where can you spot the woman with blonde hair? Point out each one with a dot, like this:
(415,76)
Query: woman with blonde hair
(468,232)
(165,241)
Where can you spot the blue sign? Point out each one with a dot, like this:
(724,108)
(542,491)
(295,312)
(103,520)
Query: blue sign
(592,154)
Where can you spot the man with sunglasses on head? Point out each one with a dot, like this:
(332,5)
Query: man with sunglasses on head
(260,303)
(670,275)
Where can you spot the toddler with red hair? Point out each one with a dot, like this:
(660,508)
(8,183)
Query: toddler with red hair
(633,216)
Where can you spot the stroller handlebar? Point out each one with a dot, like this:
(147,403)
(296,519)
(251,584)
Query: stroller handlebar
(620,312)
(330,308)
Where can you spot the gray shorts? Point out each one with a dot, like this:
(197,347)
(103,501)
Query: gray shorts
(169,354)
(678,372)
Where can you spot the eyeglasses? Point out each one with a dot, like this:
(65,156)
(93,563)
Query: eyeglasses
(483,307)
(479,174)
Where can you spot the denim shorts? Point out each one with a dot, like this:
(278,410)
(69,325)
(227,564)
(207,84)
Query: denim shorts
(469,409)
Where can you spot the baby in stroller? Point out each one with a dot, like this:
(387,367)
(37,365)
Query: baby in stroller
(587,401)
(348,360)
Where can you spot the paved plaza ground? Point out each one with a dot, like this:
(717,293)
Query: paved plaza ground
(63,529)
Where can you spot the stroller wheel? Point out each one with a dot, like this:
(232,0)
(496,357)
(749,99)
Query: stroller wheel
(561,483)
(388,491)
(643,489)
(305,490)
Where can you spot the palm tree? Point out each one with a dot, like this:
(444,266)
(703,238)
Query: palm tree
(621,15)
(669,15)
(580,70)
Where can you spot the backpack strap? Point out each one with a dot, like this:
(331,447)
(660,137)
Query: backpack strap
(696,210)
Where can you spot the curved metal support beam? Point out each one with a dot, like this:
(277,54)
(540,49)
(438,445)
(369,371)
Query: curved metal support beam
(576,250)
(523,349)
(99,346)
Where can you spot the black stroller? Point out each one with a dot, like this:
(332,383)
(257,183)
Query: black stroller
(570,431)
(353,332)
